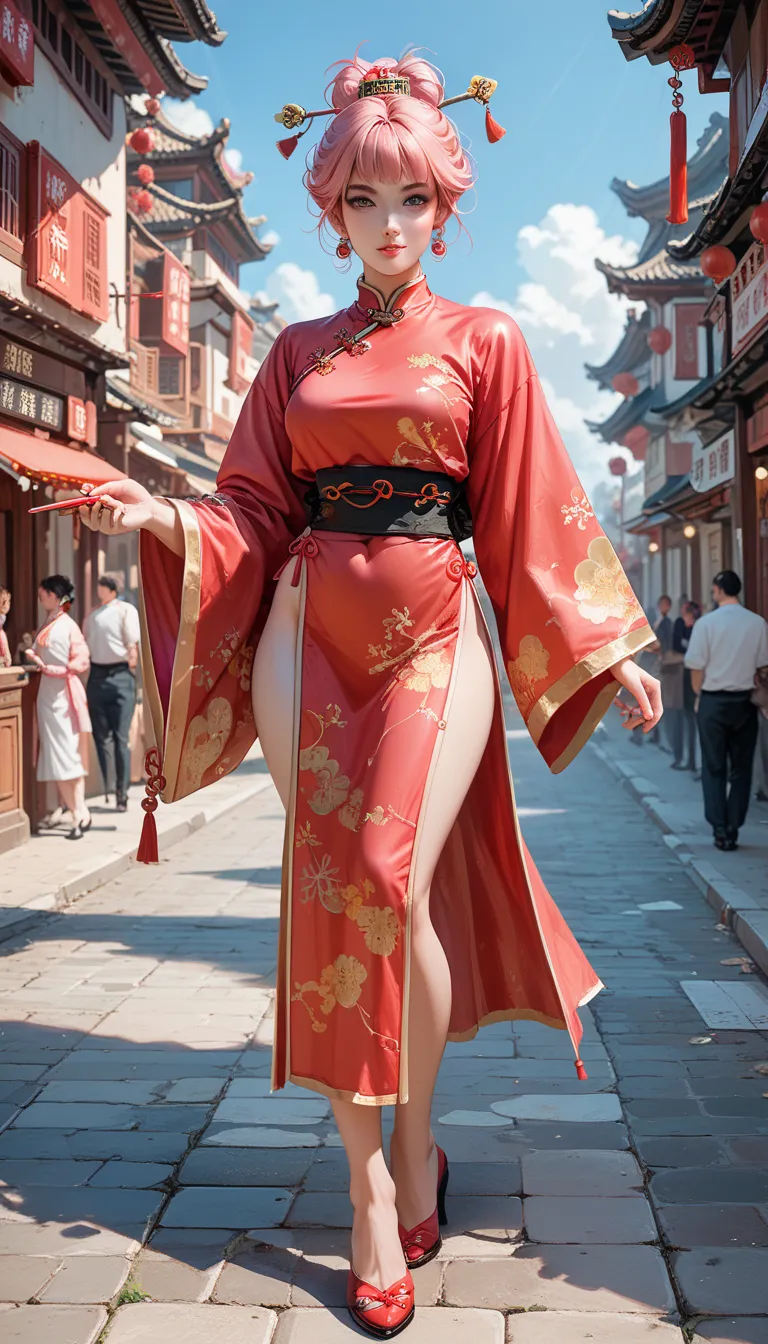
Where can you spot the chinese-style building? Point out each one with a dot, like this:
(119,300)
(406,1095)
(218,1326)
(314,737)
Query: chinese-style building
(66,68)
(728,44)
(658,363)
(197,220)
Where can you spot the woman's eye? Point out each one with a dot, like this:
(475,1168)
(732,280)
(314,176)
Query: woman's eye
(359,200)
(416,200)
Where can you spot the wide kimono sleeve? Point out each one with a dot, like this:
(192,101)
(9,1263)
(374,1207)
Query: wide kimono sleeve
(564,607)
(202,615)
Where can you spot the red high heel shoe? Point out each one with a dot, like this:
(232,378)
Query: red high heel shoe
(381,1312)
(422,1243)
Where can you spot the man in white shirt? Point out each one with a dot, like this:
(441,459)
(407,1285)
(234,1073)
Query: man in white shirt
(112,633)
(726,649)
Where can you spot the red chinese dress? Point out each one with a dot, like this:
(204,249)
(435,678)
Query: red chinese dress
(443,388)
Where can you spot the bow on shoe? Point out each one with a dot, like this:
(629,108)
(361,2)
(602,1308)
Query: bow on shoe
(372,1299)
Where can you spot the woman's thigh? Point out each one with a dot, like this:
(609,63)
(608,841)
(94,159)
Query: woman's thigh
(464,739)
(273,685)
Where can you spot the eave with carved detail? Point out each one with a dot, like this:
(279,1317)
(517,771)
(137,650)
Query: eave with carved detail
(154,25)
(629,413)
(632,354)
(659,25)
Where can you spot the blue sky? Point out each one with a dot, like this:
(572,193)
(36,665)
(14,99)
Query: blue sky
(577,114)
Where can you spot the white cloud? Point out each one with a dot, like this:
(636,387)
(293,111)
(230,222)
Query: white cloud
(187,116)
(568,317)
(234,159)
(298,293)
(271,238)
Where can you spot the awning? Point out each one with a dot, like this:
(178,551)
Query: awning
(150,445)
(50,463)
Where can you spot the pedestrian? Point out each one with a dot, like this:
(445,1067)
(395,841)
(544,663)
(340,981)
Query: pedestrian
(60,655)
(112,635)
(5,606)
(410,907)
(671,692)
(727,650)
(686,730)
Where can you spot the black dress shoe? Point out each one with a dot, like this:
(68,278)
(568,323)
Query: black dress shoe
(720,839)
(121,805)
(731,839)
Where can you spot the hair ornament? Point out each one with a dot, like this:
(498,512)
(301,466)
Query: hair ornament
(378,82)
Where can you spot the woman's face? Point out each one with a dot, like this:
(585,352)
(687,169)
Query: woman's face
(5,602)
(48,601)
(389,224)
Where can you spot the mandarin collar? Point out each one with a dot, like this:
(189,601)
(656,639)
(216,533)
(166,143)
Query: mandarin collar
(411,297)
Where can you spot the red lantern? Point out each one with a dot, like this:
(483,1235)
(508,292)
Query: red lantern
(660,340)
(152,107)
(141,140)
(618,466)
(142,202)
(145,174)
(636,440)
(626,384)
(758,222)
(718,263)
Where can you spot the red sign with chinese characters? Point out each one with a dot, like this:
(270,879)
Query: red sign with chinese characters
(17,45)
(175,331)
(76,419)
(239,352)
(687,321)
(67,254)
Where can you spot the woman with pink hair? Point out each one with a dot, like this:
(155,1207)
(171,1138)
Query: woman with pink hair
(370,445)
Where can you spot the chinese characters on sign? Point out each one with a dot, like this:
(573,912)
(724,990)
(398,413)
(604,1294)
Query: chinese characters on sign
(68,257)
(17,45)
(749,296)
(76,420)
(713,464)
(28,403)
(16,359)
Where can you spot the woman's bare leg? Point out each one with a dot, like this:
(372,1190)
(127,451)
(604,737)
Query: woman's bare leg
(470,714)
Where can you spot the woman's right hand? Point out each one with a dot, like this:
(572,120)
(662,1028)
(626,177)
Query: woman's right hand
(124,506)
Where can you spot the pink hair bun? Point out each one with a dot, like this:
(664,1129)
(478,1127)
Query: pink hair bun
(426,81)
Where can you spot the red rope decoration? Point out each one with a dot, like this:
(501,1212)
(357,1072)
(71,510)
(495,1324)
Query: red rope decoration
(681,58)
(147,851)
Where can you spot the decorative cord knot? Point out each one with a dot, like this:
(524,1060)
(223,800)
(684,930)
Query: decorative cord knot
(304,546)
(384,318)
(375,1298)
(459,567)
(147,851)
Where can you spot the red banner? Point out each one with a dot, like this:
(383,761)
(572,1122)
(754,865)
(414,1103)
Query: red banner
(175,331)
(239,352)
(17,45)
(68,237)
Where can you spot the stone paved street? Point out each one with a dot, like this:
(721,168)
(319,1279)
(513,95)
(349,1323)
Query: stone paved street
(153,1190)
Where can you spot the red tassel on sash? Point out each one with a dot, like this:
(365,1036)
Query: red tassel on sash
(492,128)
(678,170)
(147,851)
(581,1072)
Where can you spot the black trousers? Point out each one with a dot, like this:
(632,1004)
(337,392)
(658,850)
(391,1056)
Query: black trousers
(728,734)
(111,701)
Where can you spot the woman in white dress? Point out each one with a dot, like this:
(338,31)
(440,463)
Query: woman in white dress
(60,653)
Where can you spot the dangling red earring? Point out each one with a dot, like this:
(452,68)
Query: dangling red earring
(439,248)
(343,249)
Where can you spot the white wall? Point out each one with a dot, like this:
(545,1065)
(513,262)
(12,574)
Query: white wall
(50,113)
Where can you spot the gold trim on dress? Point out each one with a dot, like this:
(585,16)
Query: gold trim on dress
(597,710)
(341,1094)
(599,661)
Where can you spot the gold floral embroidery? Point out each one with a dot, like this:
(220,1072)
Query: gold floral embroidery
(322,880)
(332,788)
(427,670)
(435,382)
(240,666)
(340,983)
(349,814)
(603,591)
(226,646)
(381,928)
(415,669)
(207,735)
(305,836)
(526,669)
(579,511)
(427,444)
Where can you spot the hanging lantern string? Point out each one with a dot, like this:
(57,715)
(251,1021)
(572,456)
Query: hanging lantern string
(681,58)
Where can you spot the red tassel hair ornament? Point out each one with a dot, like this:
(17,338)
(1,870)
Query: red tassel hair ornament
(493,130)
(681,58)
(147,851)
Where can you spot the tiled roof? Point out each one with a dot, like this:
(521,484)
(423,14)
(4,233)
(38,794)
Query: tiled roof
(171,145)
(659,270)
(172,214)
(152,32)
(656,26)
(629,412)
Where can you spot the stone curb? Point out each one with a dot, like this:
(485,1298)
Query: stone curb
(35,910)
(733,907)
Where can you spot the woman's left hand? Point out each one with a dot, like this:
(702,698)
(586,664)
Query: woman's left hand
(646,691)
(33,657)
